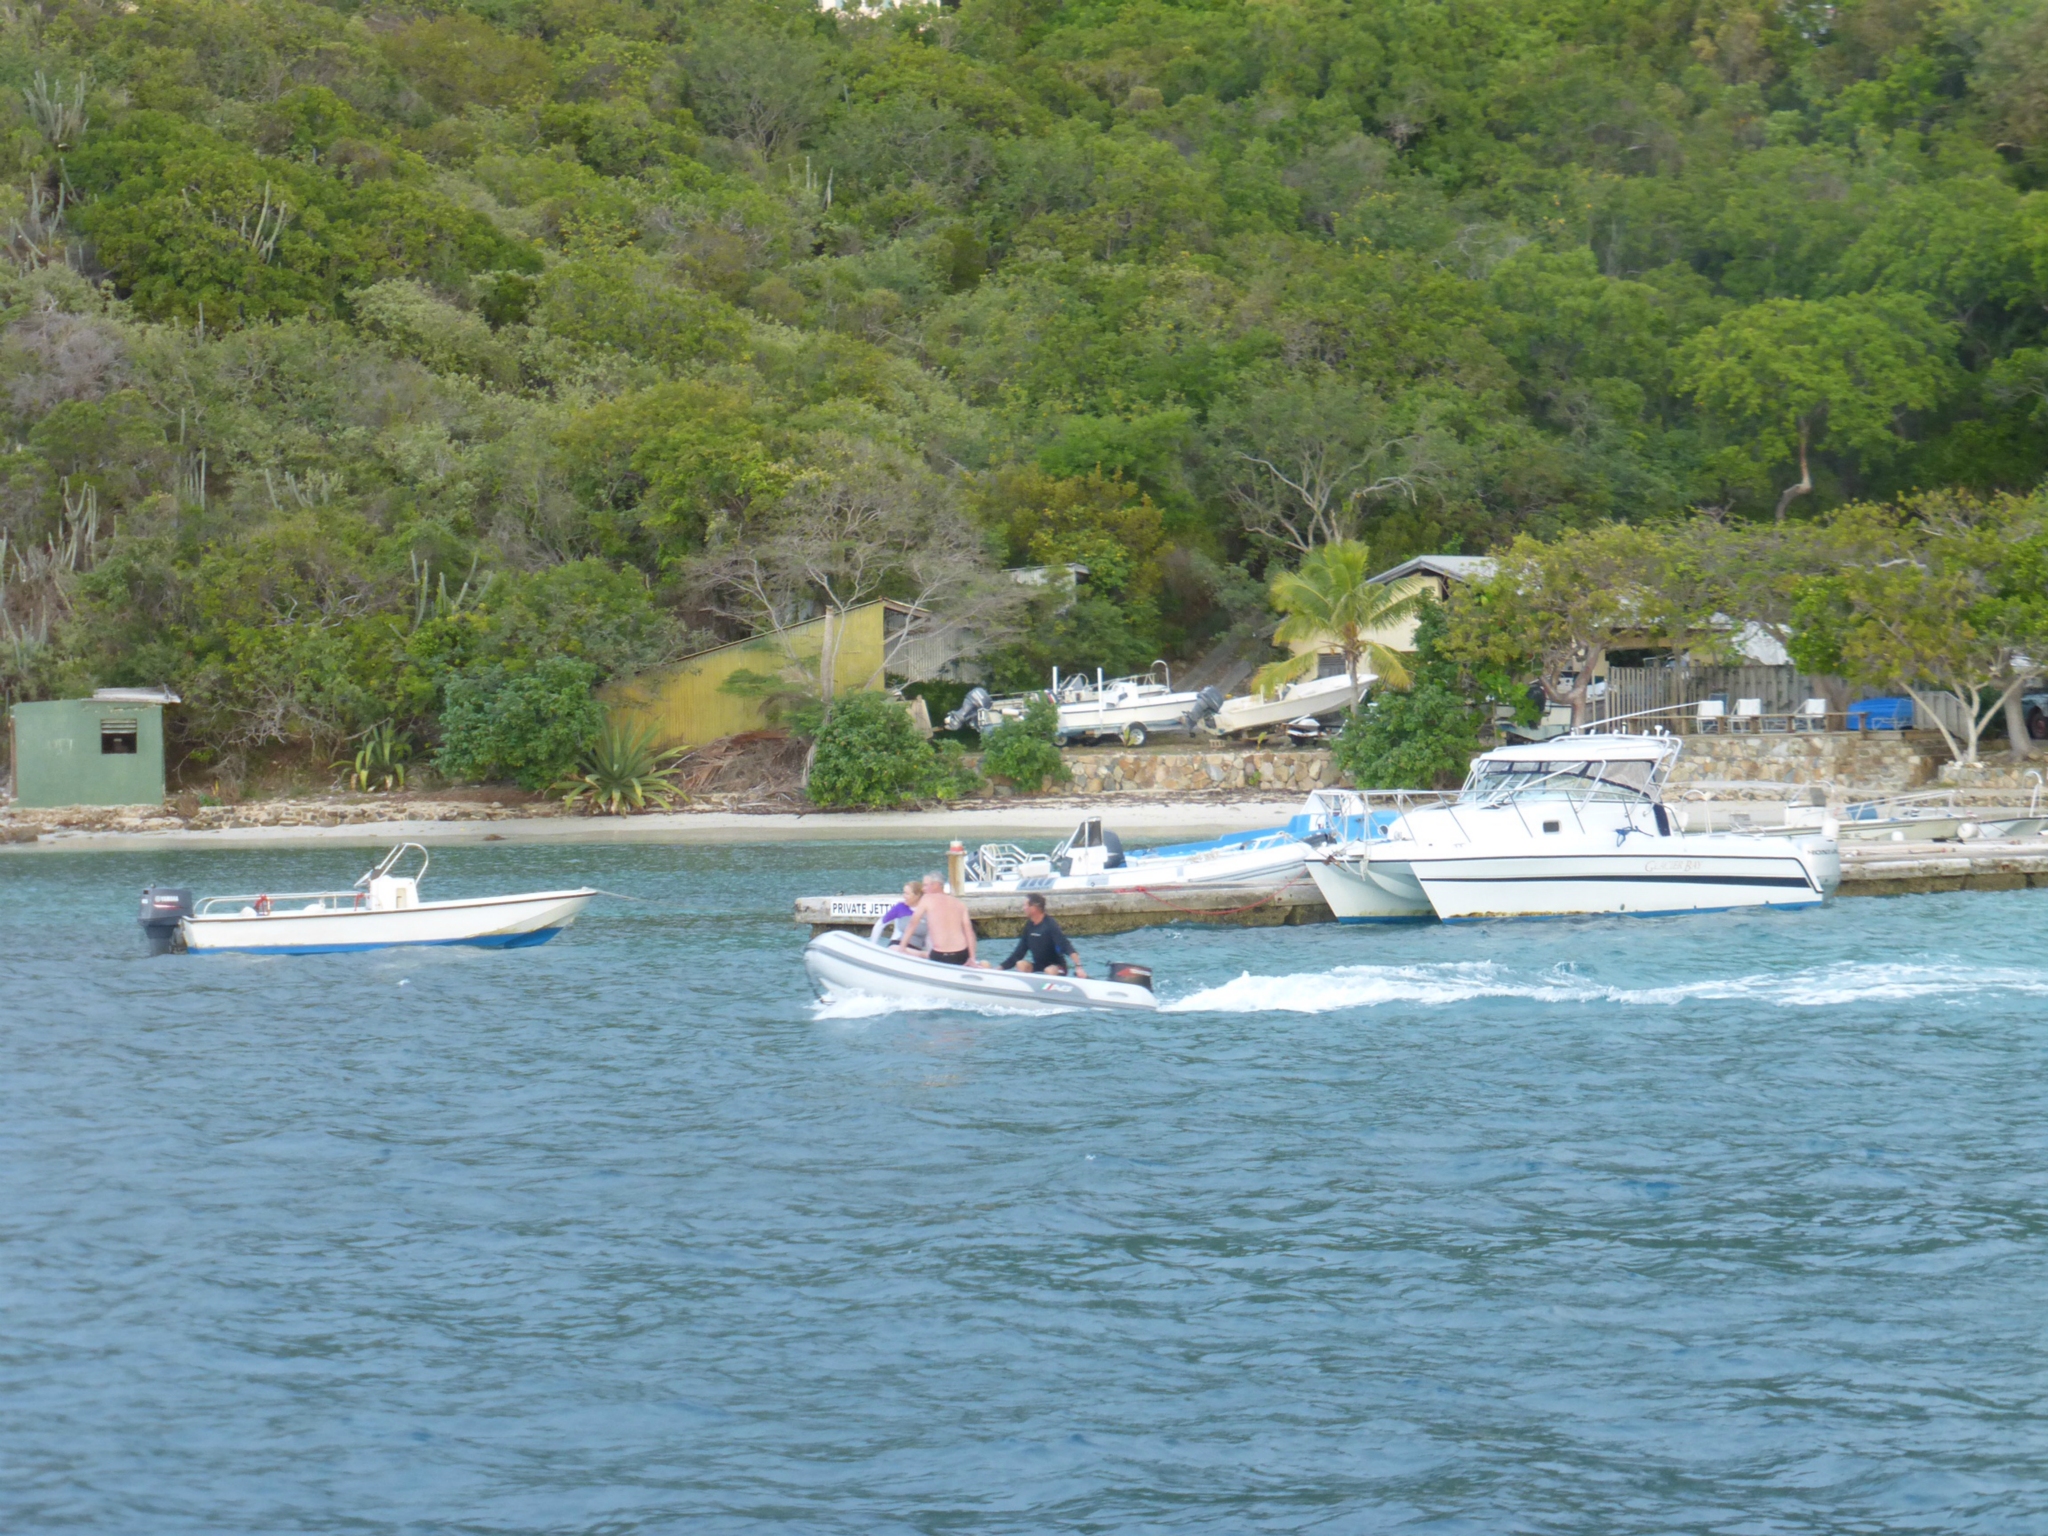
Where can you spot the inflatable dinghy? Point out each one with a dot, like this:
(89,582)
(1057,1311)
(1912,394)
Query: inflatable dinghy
(841,963)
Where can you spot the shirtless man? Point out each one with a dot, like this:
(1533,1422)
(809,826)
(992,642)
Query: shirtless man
(948,928)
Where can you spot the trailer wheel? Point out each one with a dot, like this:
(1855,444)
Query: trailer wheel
(1134,735)
(1059,738)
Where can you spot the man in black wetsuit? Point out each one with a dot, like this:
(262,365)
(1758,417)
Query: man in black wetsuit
(1041,946)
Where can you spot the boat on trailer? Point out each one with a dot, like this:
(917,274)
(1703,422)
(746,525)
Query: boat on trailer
(841,964)
(382,910)
(1578,825)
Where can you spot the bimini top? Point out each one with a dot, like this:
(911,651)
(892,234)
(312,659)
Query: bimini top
(1612,747)
(1600,767)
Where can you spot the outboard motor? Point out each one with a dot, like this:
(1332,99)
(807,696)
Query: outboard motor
(970,709)
(1134,975)
(1113,850)
(1207,702)
(162,907)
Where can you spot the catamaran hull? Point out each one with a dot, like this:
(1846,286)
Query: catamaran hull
(496,922)
(1353,897)
(840,964)
(1464,888)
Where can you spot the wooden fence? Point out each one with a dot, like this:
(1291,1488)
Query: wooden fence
(1634,691)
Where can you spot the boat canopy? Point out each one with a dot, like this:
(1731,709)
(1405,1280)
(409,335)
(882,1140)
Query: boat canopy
(1581,767)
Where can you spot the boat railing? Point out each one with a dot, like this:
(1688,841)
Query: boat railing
(1000,861)
(275,903)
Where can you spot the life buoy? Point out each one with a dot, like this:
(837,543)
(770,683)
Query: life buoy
(263,906)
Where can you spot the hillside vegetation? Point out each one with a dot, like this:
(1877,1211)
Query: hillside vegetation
(353,354)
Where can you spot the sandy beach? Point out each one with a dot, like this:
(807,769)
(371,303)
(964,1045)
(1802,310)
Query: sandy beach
(1142,821)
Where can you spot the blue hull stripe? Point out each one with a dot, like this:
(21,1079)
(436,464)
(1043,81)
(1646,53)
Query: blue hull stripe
(489,941)
(1558,917)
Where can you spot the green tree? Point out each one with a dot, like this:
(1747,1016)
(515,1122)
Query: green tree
(1331,600)
(1421,737)
(1944,594)
(1790,371)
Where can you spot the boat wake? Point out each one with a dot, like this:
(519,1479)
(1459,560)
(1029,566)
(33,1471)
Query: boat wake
(853,1006)
(1372,986)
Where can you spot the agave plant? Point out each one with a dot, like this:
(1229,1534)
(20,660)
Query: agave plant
(621,771)
(380,761)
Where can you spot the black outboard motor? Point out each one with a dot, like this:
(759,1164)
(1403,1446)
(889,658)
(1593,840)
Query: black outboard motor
(1136,975)
(1207,702)
(162,907)
(970,709)
(1113,850)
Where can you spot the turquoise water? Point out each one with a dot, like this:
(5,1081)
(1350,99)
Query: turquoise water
(1727,1224)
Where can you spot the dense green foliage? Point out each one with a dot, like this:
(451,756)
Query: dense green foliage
(1022,750)
(1420,738)
(869,753)
(529,726)
(314,310)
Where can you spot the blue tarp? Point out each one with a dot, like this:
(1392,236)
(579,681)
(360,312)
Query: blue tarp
(1881,715)
(1352,829)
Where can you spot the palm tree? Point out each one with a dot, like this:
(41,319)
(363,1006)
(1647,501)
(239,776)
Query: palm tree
(1330,600)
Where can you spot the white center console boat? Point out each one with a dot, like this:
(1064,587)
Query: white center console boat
(381,911)
(1578,825)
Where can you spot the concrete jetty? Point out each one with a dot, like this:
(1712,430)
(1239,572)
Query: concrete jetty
(1868,869)
(1919,869)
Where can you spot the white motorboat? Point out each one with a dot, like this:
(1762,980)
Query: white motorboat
(1093,858)
(1131,709)
(1310,698)
(382,910)
(1578,825)
(841,964)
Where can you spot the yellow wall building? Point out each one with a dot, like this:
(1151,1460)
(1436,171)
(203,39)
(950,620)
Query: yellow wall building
(687,702)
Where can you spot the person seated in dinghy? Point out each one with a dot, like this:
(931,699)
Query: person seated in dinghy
(899,925)
(948,928)
(1041,946)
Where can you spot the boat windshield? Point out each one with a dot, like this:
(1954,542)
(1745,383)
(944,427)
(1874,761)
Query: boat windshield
(1492,783)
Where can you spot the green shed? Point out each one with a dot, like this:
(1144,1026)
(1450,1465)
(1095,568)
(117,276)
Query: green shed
(105,750)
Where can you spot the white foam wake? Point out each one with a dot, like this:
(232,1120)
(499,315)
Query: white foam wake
(844,1006)
(1371,986)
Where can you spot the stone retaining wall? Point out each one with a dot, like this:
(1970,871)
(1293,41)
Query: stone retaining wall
(1116,773)
(1834,760)
(1757,765)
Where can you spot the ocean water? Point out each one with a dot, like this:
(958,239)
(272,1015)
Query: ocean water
(1730,1224)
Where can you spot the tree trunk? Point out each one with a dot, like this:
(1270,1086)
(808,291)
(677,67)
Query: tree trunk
(1805,485)
(2018,743)
(1955,749)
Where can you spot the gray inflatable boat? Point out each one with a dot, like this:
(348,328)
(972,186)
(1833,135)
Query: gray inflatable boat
(841,963)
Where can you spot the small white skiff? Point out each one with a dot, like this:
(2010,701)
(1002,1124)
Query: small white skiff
(843,963)
(381,911)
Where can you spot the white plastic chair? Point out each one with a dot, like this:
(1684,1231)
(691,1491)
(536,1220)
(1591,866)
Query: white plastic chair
(1749,714)
(1812,716)
(1711,711)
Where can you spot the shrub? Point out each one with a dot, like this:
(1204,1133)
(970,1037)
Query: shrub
(870,754)
(1022,751)
(1421,739)
(526,726)
(621,768)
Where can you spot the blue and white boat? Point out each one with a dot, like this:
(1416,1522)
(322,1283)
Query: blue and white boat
(1093,858)
(382,910)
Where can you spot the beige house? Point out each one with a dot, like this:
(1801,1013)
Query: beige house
(1434,574)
